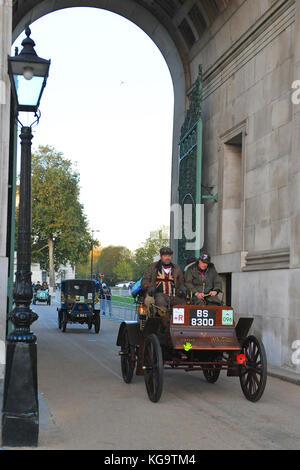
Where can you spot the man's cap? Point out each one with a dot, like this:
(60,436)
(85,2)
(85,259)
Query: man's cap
(205,258)
(166,250)
(191,259)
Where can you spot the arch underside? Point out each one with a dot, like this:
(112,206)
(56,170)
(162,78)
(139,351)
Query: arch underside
(184,21)
(175,26)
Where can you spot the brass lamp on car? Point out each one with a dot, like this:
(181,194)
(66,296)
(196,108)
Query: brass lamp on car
(142,311)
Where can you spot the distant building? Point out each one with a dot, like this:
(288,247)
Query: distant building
(38,274)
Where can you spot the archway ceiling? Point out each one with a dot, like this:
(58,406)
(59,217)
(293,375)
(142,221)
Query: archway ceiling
(185,20)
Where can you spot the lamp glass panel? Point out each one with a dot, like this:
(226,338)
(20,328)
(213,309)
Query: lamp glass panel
(28,91)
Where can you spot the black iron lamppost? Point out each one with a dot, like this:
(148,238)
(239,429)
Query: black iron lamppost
(20,413)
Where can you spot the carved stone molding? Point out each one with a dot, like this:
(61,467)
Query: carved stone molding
(267,260)
(279,17)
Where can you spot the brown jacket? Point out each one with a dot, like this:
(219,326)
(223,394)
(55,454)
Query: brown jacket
(150,276)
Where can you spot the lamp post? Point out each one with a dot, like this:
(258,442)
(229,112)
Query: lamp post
(20,413)
(92,255)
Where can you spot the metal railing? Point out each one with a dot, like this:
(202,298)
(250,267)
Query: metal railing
(120,306)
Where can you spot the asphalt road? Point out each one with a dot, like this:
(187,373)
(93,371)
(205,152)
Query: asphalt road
(92,408)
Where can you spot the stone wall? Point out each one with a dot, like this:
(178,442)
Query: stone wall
(250,63)
(5,42)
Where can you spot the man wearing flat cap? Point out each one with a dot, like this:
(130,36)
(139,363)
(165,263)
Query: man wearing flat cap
(162,279)
(203,281)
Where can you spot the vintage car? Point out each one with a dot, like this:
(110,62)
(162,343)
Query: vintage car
(41,295)
(192,339)
(78,299)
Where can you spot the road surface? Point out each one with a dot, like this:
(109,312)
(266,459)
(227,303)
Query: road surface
(92,408)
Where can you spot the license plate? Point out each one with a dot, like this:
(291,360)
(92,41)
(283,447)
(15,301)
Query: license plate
(81,315)
(202,317)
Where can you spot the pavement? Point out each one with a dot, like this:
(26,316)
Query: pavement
(85,404)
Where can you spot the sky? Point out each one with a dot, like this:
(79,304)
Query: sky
(108,106)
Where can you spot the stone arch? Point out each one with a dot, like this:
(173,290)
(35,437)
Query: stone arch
(173,49)
(175,26)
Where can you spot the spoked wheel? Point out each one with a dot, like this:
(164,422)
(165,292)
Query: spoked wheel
(253,375)
(213,374)
(97,323)
(127,359)
(153,363)
(64,324)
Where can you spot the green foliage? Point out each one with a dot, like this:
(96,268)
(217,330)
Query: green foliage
(56,211)
(118,263)
(108,262)
(83,268)
(123,270)
(144,255)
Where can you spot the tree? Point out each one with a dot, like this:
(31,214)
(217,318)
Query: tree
(144,255)
(109,259)
(83,268)
(123,270)
(59,225)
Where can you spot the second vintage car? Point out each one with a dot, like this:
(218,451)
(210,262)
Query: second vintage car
(78,304)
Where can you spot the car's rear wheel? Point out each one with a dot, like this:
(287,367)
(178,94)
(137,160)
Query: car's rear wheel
(127,358)
(64,323)
(153,364)
(212,374)
(97,323)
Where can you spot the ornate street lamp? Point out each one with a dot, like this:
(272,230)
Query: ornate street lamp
(28,75)
(20,413)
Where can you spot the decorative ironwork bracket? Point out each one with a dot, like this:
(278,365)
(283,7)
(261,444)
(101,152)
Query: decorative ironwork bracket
(215,198)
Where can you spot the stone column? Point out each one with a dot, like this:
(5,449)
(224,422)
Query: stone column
(5,46)
(293,331)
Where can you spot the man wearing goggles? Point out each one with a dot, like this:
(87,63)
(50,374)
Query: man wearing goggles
(203,282)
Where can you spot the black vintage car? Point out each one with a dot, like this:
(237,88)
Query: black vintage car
(78,299)
(191,338)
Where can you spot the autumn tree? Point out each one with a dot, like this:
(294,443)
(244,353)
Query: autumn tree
(108,262)
(144,255)
(83,268)
(59,225)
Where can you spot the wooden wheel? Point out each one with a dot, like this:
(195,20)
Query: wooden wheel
(64,323)
(253,375)
(97,323)
(153,363)
(212,375)
(127,359)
